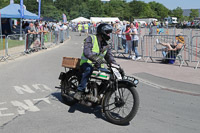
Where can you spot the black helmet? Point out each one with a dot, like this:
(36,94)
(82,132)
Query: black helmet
(104,30)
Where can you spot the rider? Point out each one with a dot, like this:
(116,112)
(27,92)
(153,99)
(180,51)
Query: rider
(95,49)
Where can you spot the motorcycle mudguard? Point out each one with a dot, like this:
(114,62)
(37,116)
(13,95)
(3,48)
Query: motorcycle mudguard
(62,76)
(127,82)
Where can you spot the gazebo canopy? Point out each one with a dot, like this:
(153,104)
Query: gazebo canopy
(13,11)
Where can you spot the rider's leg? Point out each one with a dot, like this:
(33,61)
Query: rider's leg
(87,71)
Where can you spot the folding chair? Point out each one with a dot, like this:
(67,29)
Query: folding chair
(180,57)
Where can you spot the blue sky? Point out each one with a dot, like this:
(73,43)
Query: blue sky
(172,4)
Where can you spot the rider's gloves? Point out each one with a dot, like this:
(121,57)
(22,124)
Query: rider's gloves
(98,59)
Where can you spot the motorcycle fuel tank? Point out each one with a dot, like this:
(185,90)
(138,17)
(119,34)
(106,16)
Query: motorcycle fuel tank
(100,75)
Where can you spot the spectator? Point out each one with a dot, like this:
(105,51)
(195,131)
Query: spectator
(37,42)
(136,25)
(128,39)
(135,40)
(61,33)
(118,33)
(166,24)
(94,28)
(173,47)
(41,23)
(30,31)
(73,27)
(45,32)
(123,29)
(56,32)
(86,28)
(65,27)
(80,27)
(41,29)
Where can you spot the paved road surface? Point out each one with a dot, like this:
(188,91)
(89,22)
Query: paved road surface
(30,101)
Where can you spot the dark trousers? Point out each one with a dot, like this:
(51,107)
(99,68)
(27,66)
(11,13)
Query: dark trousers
(86,69)
(30,41)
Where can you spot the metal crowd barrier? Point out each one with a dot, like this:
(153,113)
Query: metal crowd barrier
(44,40)
(195,50)
(119,45)
(59,36)
(149,49)
(33,42)
(15,44)
(2,47)
(152,50)
(167,31)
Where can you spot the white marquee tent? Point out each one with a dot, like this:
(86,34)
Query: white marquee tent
(104,19)
(80,19)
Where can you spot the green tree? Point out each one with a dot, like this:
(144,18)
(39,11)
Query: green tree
(95,8)
(178,12)
(160,10)
(115,8)
(194,13)
(140,9)
(4,3)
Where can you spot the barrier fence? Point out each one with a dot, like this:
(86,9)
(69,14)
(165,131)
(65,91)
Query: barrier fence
(149,49)
(152,50)
(2,47)
(195,50)
(16,44)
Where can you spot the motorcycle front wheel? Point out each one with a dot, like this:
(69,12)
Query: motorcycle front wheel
(121,107)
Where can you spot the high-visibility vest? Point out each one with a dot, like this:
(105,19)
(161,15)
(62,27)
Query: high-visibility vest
(86,26)
(80,27)
(95,49)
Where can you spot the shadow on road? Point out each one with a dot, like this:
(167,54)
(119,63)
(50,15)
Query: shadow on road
(84,109)
(96,110)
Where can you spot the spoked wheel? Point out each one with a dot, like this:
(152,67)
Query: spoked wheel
(68,88)
(120,107)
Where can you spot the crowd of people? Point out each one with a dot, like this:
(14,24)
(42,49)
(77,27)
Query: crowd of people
(126,32)
(37,34)
(128,38)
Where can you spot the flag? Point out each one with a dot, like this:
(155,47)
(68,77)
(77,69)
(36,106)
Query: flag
(64,18)
(39,8)
(22,8)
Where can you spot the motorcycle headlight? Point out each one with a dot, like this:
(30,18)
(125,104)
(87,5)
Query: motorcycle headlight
(136,81)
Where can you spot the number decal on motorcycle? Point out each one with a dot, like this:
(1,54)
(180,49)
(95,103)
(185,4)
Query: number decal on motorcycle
(117,74)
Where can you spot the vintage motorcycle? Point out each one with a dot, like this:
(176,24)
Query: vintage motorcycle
(109,88)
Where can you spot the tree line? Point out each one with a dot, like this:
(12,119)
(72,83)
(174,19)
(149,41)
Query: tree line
(95,8)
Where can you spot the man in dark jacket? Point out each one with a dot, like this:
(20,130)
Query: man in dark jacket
(95,51)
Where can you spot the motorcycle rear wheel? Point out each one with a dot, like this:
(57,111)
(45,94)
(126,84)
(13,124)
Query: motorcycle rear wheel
(121,110)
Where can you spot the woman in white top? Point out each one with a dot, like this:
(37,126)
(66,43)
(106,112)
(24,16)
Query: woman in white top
(135,40)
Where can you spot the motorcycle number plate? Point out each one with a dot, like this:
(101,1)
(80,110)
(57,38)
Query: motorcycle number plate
(117,74)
